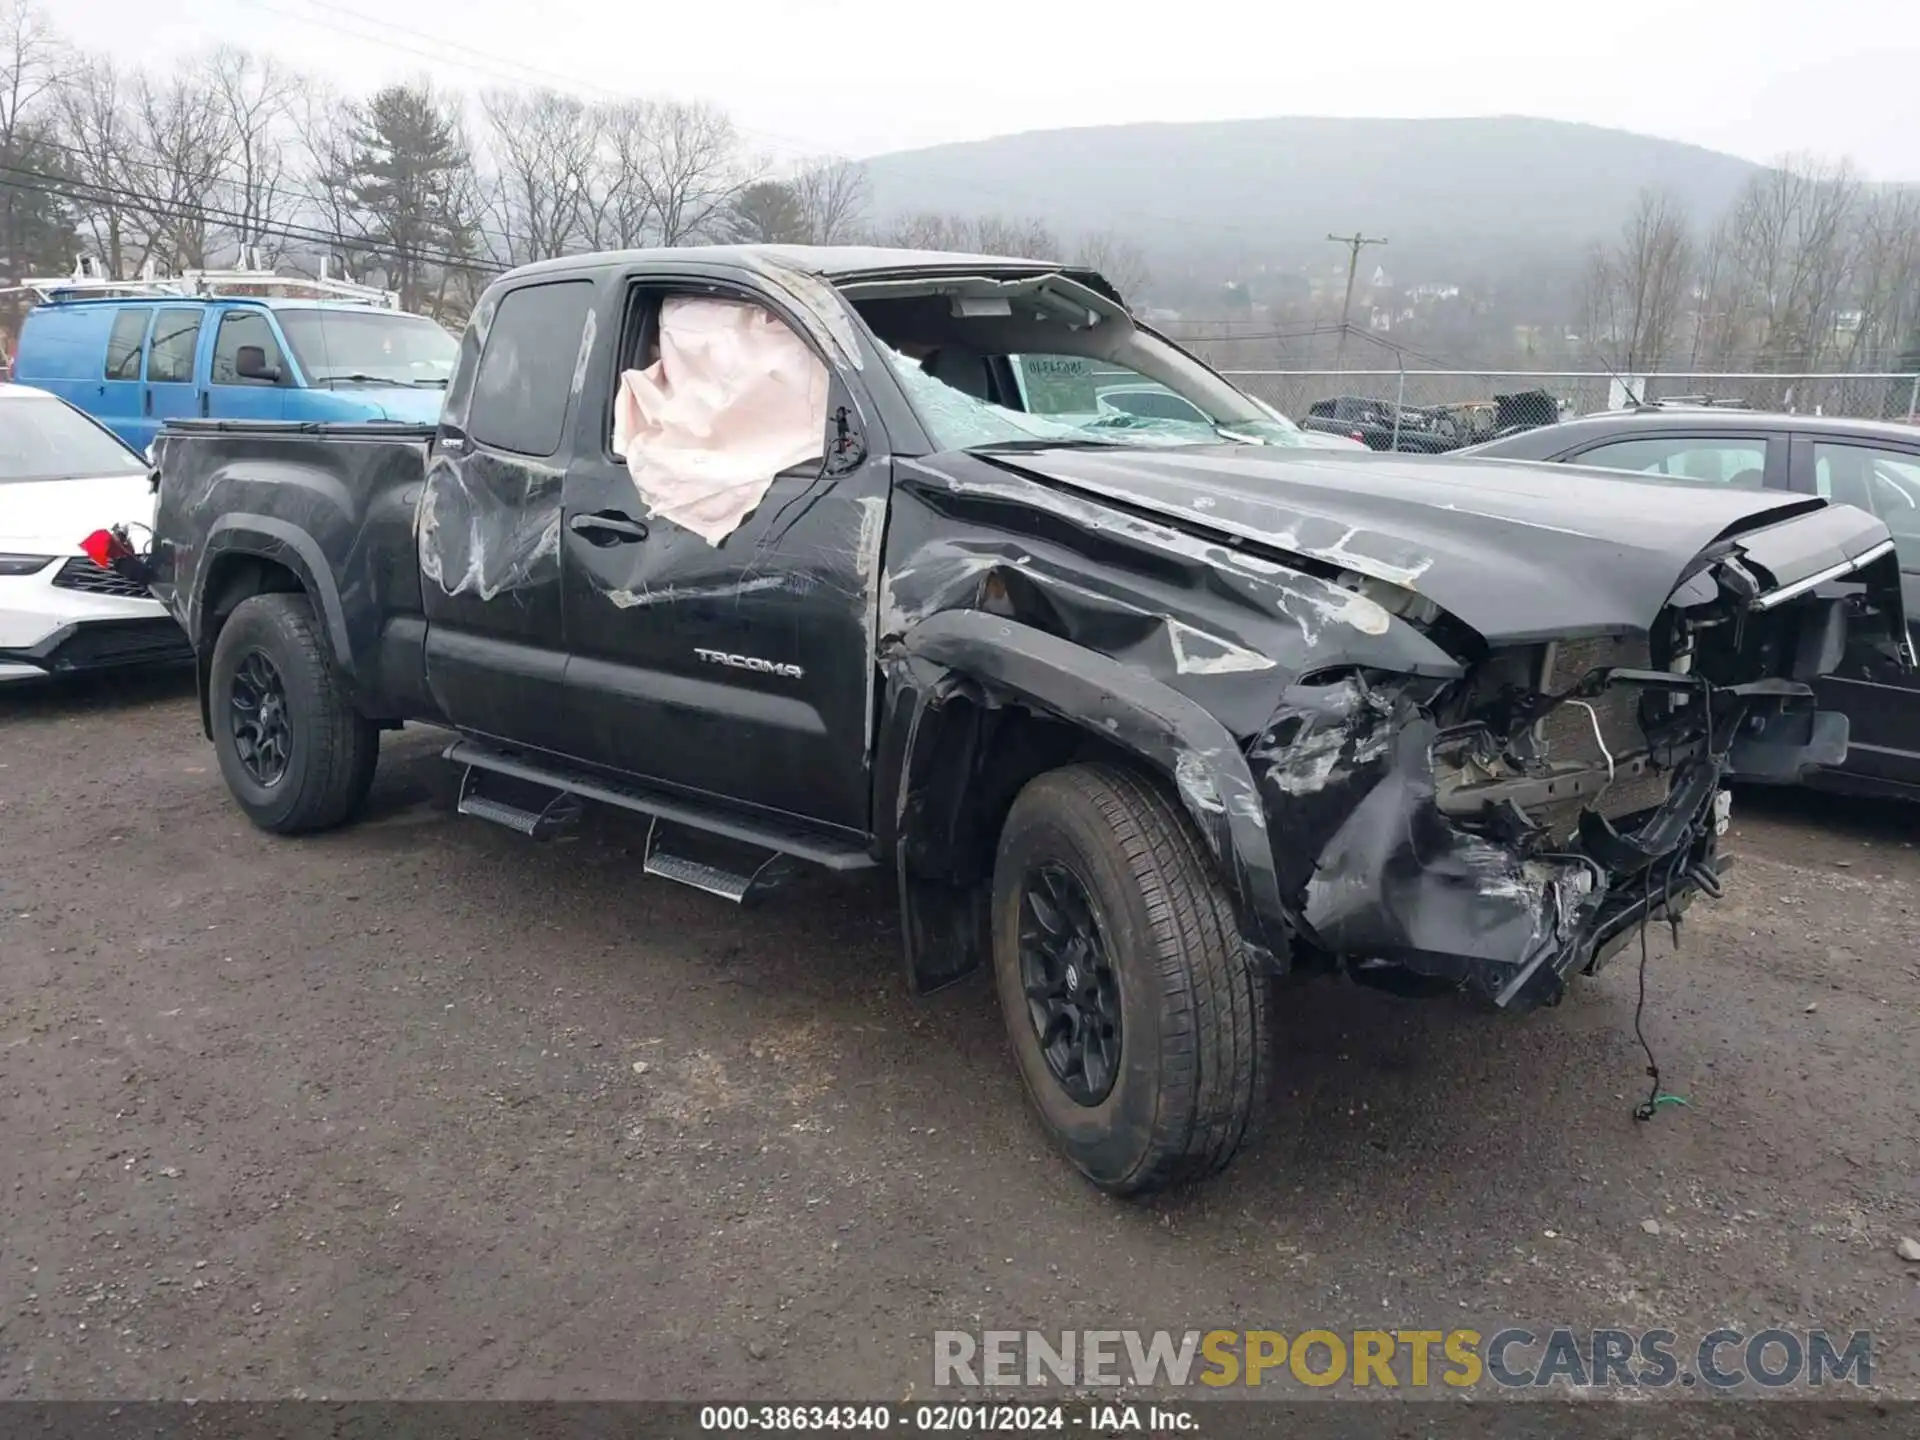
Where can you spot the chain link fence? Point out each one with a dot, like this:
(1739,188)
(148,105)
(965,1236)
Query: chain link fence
(1880,396)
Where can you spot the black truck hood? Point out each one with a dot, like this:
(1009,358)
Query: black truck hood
(1519,552)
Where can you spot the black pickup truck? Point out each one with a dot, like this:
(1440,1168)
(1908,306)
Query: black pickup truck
(1142,714)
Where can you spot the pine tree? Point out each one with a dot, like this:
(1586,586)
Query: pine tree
(767,213)
(37,233)
(406,158)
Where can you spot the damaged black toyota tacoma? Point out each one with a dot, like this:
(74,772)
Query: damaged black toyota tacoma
(839,557)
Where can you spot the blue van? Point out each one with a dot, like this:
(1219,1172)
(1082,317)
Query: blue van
(133,362)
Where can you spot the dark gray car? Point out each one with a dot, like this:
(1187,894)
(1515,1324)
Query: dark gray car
(1874,465)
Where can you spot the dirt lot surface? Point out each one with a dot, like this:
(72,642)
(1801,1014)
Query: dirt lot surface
(420,1108)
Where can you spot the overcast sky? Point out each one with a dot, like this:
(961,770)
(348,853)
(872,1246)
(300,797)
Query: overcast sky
(1757,78)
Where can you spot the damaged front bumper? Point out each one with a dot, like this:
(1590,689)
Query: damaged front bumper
(1402,894)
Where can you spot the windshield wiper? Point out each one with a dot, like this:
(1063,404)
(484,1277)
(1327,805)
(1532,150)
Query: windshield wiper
(358,378)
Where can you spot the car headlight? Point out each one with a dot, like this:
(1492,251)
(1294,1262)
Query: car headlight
(24,564)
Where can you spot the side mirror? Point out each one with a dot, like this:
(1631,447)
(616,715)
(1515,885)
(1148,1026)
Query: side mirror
(250,363)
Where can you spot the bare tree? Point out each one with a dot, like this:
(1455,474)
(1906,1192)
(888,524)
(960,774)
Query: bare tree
(690,168)
(1120,261)
(326,124)
(465,273)
(616,209)
(253,96)
(1636,290)
(101,141)
(1025,237)
(1793,228)
(1718,315)
(544,146)
(1885,285)
(987,234)
(927,230)
(33,60)
(832,197)
(183,140)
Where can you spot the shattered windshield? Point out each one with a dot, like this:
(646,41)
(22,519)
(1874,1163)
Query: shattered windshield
(1075,399)
(1003,359)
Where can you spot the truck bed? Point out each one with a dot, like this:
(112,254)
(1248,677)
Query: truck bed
(334,503)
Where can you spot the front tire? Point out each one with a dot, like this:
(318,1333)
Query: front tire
(1139,1024)
(295,753)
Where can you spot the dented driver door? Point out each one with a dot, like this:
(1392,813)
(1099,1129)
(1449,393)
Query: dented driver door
(489,523)
(728,656)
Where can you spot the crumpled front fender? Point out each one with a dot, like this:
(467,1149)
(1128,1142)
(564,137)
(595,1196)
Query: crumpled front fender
(1130,709)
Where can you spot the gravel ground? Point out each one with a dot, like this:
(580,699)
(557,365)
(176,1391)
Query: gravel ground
(420,1108)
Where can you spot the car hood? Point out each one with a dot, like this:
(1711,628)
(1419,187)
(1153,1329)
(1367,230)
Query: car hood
(402,403)
(1519,552)
(52,517)
(410,406)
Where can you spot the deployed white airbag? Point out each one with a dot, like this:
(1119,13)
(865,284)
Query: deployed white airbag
(735,397)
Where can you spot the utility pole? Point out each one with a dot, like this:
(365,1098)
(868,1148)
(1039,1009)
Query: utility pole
(1354,243)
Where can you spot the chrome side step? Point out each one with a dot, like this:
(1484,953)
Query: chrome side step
(764,871)
(560,810)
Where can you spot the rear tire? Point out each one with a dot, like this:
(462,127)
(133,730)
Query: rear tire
(1190,1021)
(295,753)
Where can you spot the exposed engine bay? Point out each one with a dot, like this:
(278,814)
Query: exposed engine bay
(1526,818)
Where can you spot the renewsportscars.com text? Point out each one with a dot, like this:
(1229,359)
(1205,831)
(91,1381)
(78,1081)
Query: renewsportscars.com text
(1511,1357)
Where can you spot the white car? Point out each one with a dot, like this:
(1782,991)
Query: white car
(63,476)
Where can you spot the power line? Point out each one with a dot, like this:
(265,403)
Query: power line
(212,179)
(64,188)
(488,63)
(1354,244)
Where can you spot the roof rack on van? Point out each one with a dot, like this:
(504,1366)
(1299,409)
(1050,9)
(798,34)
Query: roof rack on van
(87,283)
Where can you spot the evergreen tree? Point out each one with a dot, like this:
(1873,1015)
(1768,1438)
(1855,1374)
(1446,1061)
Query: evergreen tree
(767,213)
(37,232)
(405,165)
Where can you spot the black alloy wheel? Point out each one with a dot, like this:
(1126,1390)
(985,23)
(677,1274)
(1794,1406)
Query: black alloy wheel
(258,714)
(1107,907)
(1072,988)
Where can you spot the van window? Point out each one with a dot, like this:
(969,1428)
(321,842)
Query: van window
(238,328)
(123,346)
(526,371)
(175,335)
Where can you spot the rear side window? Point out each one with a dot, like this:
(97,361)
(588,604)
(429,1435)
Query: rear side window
(526,372)
(175,334)
(123,346)
(1885,483)
(1722,460)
